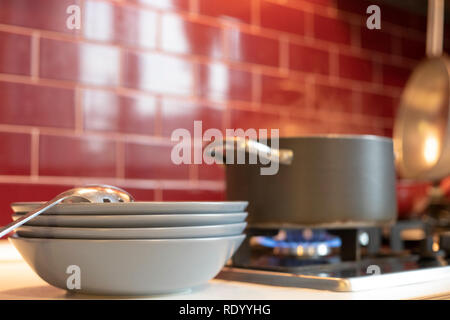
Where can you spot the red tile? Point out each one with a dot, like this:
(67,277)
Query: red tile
(15,153)
(74,156)
(367,128)
(105,111)
(403,17)
(158,73)
(141,194)
(377,40)
(81,62)
(300,126)
(447,44)
(329,98)
(234,10)
(219,82)
(120,24)
(388,132)
(358,7)
(355,68)
(24,104)
(394,75)
(15,53)
(327,3)
(152,162)
(343,128)
(164,4)
(177,114)
(378,105)
(332,29)
(413,49)
(446,27)
(397,15)
(43,14)
(308,59)
(211,172)
(193,195)
(13,192)
(245,47)
(282,18)
(182,36)
(243,119)
(284,92)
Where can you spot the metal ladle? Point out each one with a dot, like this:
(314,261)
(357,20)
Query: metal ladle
(422,124)
(92,194)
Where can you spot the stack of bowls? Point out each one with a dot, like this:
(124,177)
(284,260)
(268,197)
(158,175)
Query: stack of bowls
(136,248)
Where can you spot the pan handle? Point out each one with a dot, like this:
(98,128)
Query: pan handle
(435,28)
(215,149)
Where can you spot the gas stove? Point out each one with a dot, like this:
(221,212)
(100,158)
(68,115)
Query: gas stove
(341,259)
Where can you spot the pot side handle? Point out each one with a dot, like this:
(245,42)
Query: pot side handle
(218,148)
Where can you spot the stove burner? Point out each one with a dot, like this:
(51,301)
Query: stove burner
(301,243)
(339,259)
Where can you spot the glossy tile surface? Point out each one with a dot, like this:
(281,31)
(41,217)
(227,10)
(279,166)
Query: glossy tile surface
(78,157)
(79,62)
(281,18)
(15,192)
(193,195)
(233,10)
(152,162)
(378,105)
(47,15)
(413,48)
(105,111)
(245,119)
(164,4)
(219,82)
(355,68)
(180,35)
(158,73)
(15,151)
(308,59)
(32,105)
(179,114)
(378,40)
(211,172)
(332,29)
(119,24)
(15,53)
(283,91)
(332,99)
(251,48)
(394,75)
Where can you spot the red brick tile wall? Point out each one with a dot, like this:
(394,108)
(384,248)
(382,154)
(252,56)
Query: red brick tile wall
(98,105)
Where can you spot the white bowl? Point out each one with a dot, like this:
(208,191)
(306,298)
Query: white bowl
(127,267)
(134,221)
(222,230)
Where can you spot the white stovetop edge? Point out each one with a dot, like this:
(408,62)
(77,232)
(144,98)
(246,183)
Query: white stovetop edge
(18,281)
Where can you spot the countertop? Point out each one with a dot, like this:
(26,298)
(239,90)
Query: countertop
(18,281)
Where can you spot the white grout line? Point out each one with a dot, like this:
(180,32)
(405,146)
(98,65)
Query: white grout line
(35,55)
(126,183)
(34,162)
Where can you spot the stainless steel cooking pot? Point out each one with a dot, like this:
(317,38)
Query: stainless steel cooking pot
(322,181)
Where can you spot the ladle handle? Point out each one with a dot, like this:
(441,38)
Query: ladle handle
(30,215)
(435,28)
